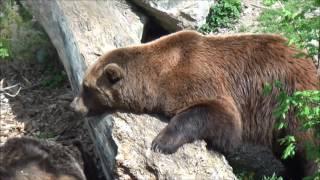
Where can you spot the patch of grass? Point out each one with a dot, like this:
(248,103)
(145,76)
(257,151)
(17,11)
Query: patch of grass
(222,15)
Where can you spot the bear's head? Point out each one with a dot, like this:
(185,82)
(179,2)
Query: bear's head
(112,83)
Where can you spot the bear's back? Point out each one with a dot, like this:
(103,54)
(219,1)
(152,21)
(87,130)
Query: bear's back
(240,66)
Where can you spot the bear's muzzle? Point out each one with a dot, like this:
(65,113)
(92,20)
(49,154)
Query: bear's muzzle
(78,106)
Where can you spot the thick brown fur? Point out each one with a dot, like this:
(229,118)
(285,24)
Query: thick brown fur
(210,86)
(28,158)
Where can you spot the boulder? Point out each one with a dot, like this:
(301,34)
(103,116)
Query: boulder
(132,135)
(175,15)
(81,31)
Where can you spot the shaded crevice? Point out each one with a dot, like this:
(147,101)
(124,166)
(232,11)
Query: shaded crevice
(126,171)
(152,30)
(153,171)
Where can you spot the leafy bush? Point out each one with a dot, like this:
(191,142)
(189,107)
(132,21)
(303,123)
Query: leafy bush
(306,105)
(297,20)
(222,15)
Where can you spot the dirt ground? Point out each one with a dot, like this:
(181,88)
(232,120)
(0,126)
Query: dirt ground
(37,110)
(41,107)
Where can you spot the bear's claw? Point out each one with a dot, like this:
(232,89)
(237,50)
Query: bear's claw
(162,148)
(165,144)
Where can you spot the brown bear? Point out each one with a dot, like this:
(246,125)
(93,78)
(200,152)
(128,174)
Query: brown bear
(29,158)
(211,88)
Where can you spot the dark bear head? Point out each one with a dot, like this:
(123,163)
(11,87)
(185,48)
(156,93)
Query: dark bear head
(113,83)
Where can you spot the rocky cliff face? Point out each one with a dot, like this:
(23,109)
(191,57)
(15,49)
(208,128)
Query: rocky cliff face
(80,31)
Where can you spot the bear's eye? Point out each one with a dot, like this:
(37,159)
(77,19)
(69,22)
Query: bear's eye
(86,91)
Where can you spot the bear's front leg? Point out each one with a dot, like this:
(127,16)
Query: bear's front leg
(217,121)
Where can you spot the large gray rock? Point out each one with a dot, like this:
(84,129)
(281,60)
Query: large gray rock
(174,15)
(133,135)
(82,29)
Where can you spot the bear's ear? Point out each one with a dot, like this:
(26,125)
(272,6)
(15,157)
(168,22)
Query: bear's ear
(113,72)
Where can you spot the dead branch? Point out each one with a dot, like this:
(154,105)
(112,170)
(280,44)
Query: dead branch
(5,89)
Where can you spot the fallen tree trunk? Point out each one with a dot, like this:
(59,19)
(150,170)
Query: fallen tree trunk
(80,31)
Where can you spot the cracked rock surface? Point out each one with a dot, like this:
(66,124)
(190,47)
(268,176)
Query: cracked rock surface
(133,135)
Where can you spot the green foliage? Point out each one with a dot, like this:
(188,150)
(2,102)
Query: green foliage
(290,146)
(243,28)
(299,22)
(245,175)
(45,135)
(54,76)
(55,80)
(7,17)
(267,88)
(9,14)
(19,34)
(3,51)
(307,108)
(222,15)
(273,177)
(269,2)
(306,105)
(295,19)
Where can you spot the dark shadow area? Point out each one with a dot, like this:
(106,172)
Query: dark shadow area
(152,31)
(255,161)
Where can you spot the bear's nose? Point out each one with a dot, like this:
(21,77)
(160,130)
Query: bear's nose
(78,106)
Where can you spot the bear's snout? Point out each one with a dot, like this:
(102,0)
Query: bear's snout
(78,106)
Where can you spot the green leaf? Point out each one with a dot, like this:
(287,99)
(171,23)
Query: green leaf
(267,88)
(290,146)
(3,51)
(278,84)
